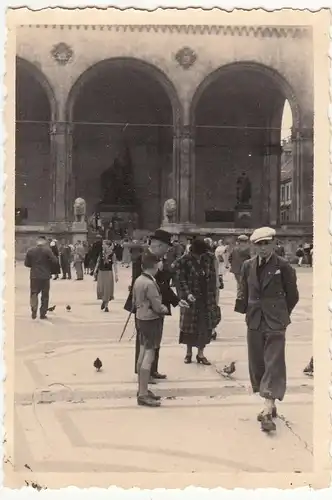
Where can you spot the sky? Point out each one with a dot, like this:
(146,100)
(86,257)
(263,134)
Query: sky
(287,121)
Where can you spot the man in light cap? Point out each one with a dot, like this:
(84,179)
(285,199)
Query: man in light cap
(239,254)
(267,295)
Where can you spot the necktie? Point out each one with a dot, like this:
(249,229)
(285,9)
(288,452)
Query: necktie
(263,262)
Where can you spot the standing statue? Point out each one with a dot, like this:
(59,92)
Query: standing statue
(116,182)
(169,211)
(79,210)
(243,190)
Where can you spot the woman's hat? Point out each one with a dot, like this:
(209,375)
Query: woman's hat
(163,236)
(199,246)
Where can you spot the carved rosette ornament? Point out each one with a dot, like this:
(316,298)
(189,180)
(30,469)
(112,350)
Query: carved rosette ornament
(186,57)
(62,53)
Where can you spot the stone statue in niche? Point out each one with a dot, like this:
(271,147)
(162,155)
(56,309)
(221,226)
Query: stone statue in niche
(243,190)
(169,211)
(79,210)
(116,182)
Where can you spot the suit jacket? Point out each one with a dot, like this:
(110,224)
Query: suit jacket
(237,257)
(42,262)
(272,297)
(163,279)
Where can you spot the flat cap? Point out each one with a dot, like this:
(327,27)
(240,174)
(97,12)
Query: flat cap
(262,234)
(243,237)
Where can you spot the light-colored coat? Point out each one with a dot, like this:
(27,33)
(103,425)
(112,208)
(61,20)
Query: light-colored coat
(147,299)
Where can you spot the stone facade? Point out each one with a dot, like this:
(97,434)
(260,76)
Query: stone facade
(198,106)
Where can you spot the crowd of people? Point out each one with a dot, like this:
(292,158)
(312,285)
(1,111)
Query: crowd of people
(170,273)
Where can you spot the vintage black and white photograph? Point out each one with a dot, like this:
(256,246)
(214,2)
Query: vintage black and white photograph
(164,245)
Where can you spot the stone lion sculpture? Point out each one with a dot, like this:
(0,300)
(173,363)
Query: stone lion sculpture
(169,210)
(79,210)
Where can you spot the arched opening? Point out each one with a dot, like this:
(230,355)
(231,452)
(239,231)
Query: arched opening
(35,109)
(238,116)
(286,166)
(123,111)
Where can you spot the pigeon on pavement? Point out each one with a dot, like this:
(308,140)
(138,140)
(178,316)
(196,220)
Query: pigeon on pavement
(228,370)
(98,364)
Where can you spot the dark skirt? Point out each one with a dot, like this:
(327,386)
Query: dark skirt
(202,335)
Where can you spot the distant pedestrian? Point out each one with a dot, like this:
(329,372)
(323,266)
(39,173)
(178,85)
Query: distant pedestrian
(222,255)
(78,256)
(55,250)
(42,264)
(311,255)
(268,294)
(65,260)
(306,257)
(280,249)
(106,272)
(239,254)
(300,255)
(126,258)
(94,254)
(86,262)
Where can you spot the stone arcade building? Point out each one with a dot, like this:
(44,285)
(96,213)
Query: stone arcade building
(198,106)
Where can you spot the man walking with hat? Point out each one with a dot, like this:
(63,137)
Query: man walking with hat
(42,264)
(268,294)
(161,242)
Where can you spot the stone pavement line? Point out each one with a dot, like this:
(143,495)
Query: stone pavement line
(98,447)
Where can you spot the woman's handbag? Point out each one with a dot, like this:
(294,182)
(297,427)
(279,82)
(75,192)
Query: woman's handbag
(221,282)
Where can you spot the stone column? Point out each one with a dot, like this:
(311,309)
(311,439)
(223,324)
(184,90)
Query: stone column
(59,148)
(70,179)
(265,197)
(275,178)
(176,170)
(296,178)
(306,147)
(186,181)
(303,176)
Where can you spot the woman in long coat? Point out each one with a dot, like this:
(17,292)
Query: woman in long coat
(197,283)
(105,268)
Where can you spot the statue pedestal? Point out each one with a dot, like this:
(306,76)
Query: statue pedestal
(177,228)
(79,231)
(243,216)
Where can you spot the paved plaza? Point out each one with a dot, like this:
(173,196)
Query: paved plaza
(70,418)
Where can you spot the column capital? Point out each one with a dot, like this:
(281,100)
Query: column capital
(184,132)
(61,128)
(302,133)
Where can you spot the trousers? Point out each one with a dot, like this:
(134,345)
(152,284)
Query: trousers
(267,366)
(39,286)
